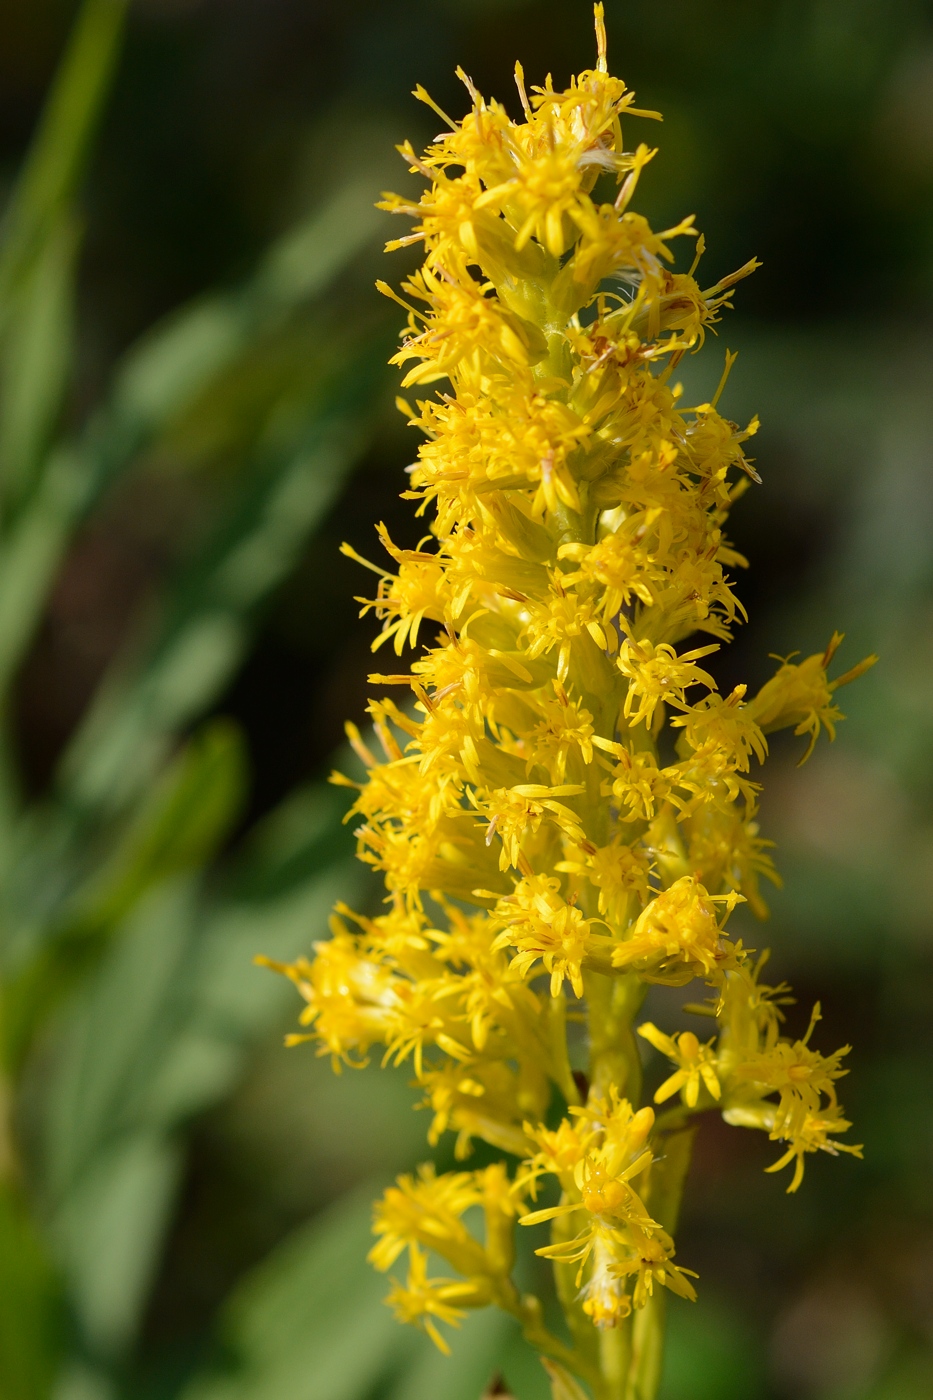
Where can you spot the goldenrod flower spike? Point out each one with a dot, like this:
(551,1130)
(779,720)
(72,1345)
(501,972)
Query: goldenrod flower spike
(564,811)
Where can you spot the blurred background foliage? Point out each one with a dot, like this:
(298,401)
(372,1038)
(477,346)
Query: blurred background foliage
(194,412)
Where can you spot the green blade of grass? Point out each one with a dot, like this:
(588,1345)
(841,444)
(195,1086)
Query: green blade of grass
(180,977)
(161,1032)
(35,360)
(177,828)
(31,1313)
(158,380)
(310,1321)
(37,248)
(210,616)
(60,147)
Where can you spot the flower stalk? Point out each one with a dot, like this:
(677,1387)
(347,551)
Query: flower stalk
(564,811)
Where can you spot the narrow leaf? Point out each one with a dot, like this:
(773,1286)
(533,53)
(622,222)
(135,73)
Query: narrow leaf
(160,378)
(180,825)
(35,359)
(208,620)
(109,1234)
(310,1321)
(59,149)
(563,1385)
(31,1316)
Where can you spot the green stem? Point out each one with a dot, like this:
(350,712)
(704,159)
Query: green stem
(665,1193)
(613,1003)
(10,1167)
(527,1310)
(615,1347)
(647,1353)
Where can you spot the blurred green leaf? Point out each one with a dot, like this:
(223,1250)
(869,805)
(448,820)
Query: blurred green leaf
(159,1033)
(179,825)
(709,1354)
(59,150)
(310,1323)
(31,1316)
(30,554)
(35,356)
(209,616)
(185,966)
(81,1381)
(159,379)
(109,1232)
(292,842)
(476,1351)
(175,362)
(115,1038)
(37,249)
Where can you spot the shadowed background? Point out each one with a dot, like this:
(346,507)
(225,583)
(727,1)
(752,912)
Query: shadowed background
(196,411)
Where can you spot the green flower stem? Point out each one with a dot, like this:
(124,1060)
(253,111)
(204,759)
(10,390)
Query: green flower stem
(613,1004)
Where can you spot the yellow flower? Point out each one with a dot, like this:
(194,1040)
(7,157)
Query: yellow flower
(618,871)
(426,1209)
(510,813)
(656,674)
(723,725)
(543,927)
(482,1099)
(564,732)
(814,1134)
(422,1299)
(563,797)
(800,1075)
(678,936)
(616,1238)
(696,1065)
(801,695)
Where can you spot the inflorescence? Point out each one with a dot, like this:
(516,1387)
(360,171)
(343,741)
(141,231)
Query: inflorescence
(563,811)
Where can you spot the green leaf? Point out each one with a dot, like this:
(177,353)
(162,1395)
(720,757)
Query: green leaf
(476,1353)
(310,1323)
(37,248)
(208,620)
(109,1234)
(291,844)
(563,1385)
(114,1039)
(35,359)
(161,1029)
(30,554)
(237,995)
(173,364)
(31,1317)
(59,150)
(177,828)
(160,1032)
(159,379)
(79,1381)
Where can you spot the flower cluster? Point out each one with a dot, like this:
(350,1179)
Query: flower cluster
(563,810)
(617,1244)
